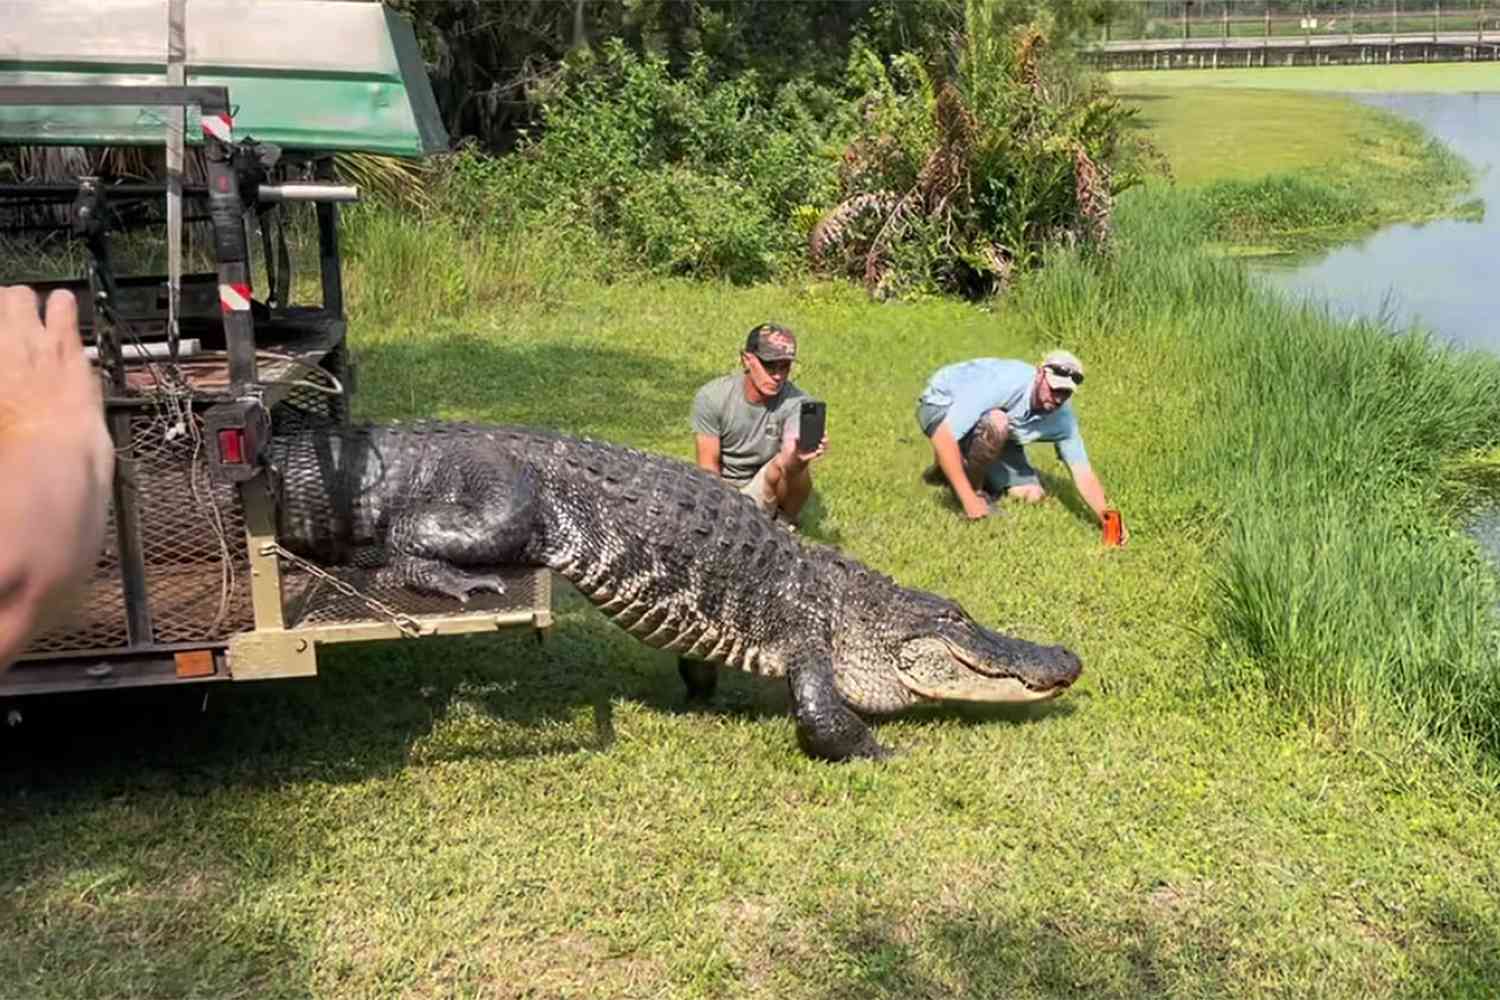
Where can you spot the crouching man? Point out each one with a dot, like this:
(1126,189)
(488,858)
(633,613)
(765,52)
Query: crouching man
(979,416)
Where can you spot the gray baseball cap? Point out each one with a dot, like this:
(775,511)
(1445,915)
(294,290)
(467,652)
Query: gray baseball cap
(1063,370)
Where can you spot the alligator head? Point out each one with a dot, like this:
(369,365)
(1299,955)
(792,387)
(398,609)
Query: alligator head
(916,646)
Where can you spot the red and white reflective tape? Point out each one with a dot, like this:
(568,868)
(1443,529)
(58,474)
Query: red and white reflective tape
(234,298)
(220,127)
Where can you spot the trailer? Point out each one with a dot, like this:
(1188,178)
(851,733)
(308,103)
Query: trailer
(249,104)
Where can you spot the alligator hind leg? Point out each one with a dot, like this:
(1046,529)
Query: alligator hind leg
(826,727)
(702,679)
(495,515)
(436,577)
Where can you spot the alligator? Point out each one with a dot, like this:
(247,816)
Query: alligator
(667,551)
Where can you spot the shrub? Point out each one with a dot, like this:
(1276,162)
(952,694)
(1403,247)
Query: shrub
(992,163)
(686,175)
(685,223)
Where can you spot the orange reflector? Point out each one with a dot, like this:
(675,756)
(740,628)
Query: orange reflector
(196,663)
(232,446)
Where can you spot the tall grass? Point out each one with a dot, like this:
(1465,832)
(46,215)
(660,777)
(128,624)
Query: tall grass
(1311,458)
(436,265)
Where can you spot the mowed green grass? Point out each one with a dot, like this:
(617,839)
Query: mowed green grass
(495,817)
(1423,78)
(501,818)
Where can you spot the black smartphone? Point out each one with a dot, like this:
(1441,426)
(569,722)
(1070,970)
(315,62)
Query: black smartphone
(814,419)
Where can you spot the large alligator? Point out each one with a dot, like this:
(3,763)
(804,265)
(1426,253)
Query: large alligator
(666,550)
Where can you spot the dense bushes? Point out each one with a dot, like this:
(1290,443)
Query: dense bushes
(676,175)
(920,174)
(957,183)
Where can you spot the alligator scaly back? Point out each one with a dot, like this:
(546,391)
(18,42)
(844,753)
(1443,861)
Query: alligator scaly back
(668,552)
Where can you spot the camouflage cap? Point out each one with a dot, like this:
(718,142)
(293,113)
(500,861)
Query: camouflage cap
(771,342)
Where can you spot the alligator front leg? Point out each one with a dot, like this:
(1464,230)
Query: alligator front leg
(826,726)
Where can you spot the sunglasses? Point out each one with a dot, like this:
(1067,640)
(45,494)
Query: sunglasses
(776,367)
(1077,377)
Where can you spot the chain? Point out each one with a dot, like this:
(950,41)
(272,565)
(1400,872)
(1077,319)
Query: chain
(408,625)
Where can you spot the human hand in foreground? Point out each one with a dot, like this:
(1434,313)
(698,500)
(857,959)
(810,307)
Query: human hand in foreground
(56,465)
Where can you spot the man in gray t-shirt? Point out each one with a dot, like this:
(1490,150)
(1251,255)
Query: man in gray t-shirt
(745,425)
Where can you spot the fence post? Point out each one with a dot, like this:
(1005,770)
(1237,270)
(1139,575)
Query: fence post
(1437,16)
(1394,5)
(1226,19)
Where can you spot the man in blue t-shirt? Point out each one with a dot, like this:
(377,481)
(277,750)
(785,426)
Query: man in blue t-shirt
(979,415)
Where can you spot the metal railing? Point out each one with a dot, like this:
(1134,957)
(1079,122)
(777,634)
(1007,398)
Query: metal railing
(1187,20)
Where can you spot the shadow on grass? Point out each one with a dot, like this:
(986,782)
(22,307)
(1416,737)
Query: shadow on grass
(197,946)
(979,953)
(1464,960)
(1060,488)
(984,948)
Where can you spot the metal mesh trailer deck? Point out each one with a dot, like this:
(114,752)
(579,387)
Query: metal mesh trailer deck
(201,372)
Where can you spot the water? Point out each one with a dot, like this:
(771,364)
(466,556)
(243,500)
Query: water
(1443,276)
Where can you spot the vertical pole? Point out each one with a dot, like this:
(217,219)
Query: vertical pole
(226,211)
(176,114)
(1395,5)
(1226,19)
(1437,16)
(328,253)
(1185,19)
(123,494)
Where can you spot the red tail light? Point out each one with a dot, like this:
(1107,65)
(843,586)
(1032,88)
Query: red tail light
(232,446)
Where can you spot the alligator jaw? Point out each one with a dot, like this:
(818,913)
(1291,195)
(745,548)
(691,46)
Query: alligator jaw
(984,689)
(1015,671)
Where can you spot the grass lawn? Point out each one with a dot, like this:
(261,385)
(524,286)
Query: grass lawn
(495,817)
(1425,78)
(1223,134)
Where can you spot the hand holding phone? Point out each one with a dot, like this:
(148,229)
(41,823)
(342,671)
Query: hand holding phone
(813,422)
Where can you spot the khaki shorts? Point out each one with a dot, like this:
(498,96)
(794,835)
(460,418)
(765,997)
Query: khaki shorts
(757,490)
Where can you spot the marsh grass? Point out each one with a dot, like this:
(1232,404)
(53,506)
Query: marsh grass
(1281,172)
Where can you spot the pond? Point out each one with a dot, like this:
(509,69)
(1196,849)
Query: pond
(1442,276)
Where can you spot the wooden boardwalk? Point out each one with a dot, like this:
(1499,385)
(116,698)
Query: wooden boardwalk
(1323,49)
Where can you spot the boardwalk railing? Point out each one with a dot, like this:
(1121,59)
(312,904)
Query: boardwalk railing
(1135,34)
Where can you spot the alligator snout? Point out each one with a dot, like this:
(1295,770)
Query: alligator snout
(1062,669)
